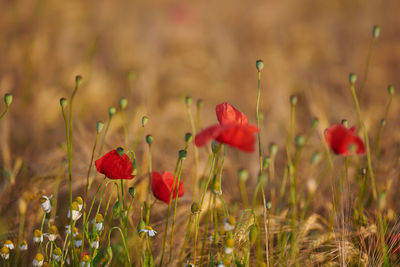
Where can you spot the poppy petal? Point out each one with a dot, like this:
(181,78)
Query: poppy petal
(115,166)
(340,139)
(161,186)
(227,114)
(241,137)
(206,135)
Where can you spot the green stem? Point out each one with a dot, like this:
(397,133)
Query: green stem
(4,113)
(195,152)
(123,241)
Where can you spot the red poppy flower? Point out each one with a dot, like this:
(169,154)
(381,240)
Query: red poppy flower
(344,141)
(115,165)
(161,185)
(233,129)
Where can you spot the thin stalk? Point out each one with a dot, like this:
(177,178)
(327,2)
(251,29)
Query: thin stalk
(175,207)
(364,81)
(123,241)
(205,234)
(178,166)
(4,112)
(87,186)
(148,206)
(195,151)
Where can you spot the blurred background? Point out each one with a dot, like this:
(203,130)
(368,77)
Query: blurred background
(155,53)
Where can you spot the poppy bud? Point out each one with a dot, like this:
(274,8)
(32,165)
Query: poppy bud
(182,154)
(315,158)
(22,206)
(116,210)
(266,162)
(352,78)
(215,147)
(363,171)
(123,102)
(314,123)
(132,191)
(376,31)
(120,151)
(199,103)
(262,178)
(345,123)
(243,175)
(111,111)
(195,208)
(63,102)
(300,140)
(131,75)
(293,100)
(149,139)
(253,234)
(217,188)
(99,126)
(259,65)
(188,137)
(144,120)
(383,122)
(273,149)
(390,89)
(8,98)
(188,100)
(268,205)
(78,79)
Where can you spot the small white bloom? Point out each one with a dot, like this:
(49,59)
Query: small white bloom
(37,236)
(148,230)
(229,223)
(228,250)
(5,253)
(38,260)
(75,215)
(46,203)
(189,264)
(57,254)
(23,246)
(95,243)
(67,231)
(8,243)
(85,262)
(311,185)
(78,241)
(79,200)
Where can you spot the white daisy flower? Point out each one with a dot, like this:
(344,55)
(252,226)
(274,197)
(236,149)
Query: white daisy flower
(23,246)
(8,243)
(189,264)
(76,214)
(74,231)
(229,245)
(85,262)
(38,260)
(37,236)
(5,253)
(79,200)
(98,222)
(229,223)
(57,254)
(95,243)
(148,230)
(78,241)
(46,203)
(52,235)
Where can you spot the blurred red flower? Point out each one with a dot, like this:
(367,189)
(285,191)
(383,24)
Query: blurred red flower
(161,185)
(115,165)
(233,129)
(344,141)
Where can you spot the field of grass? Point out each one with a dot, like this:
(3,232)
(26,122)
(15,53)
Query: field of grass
(247,107)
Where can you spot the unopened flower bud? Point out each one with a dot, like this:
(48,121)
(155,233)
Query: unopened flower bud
(8,98)
(266,162)
(195,208)
(259,65)
(120,151)
(376,31)
(188,100)
(215,146)
(141,225)
(314,123)
(182,154)
(144,120)
(243,175)
(111,111)
(315,158)
(188,137)
(149,139)
(78,79)
(268,205)
(99,126)
(116,210)
(273,149)
(123,102)
(352,78)
(63,102)
(390,89)
(132,191)
(345,123)
(293,100)
(382,201)
(199,103)
(262,178)
(300,140)
(383,122)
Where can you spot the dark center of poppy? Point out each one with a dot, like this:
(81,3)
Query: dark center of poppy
(120,151)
